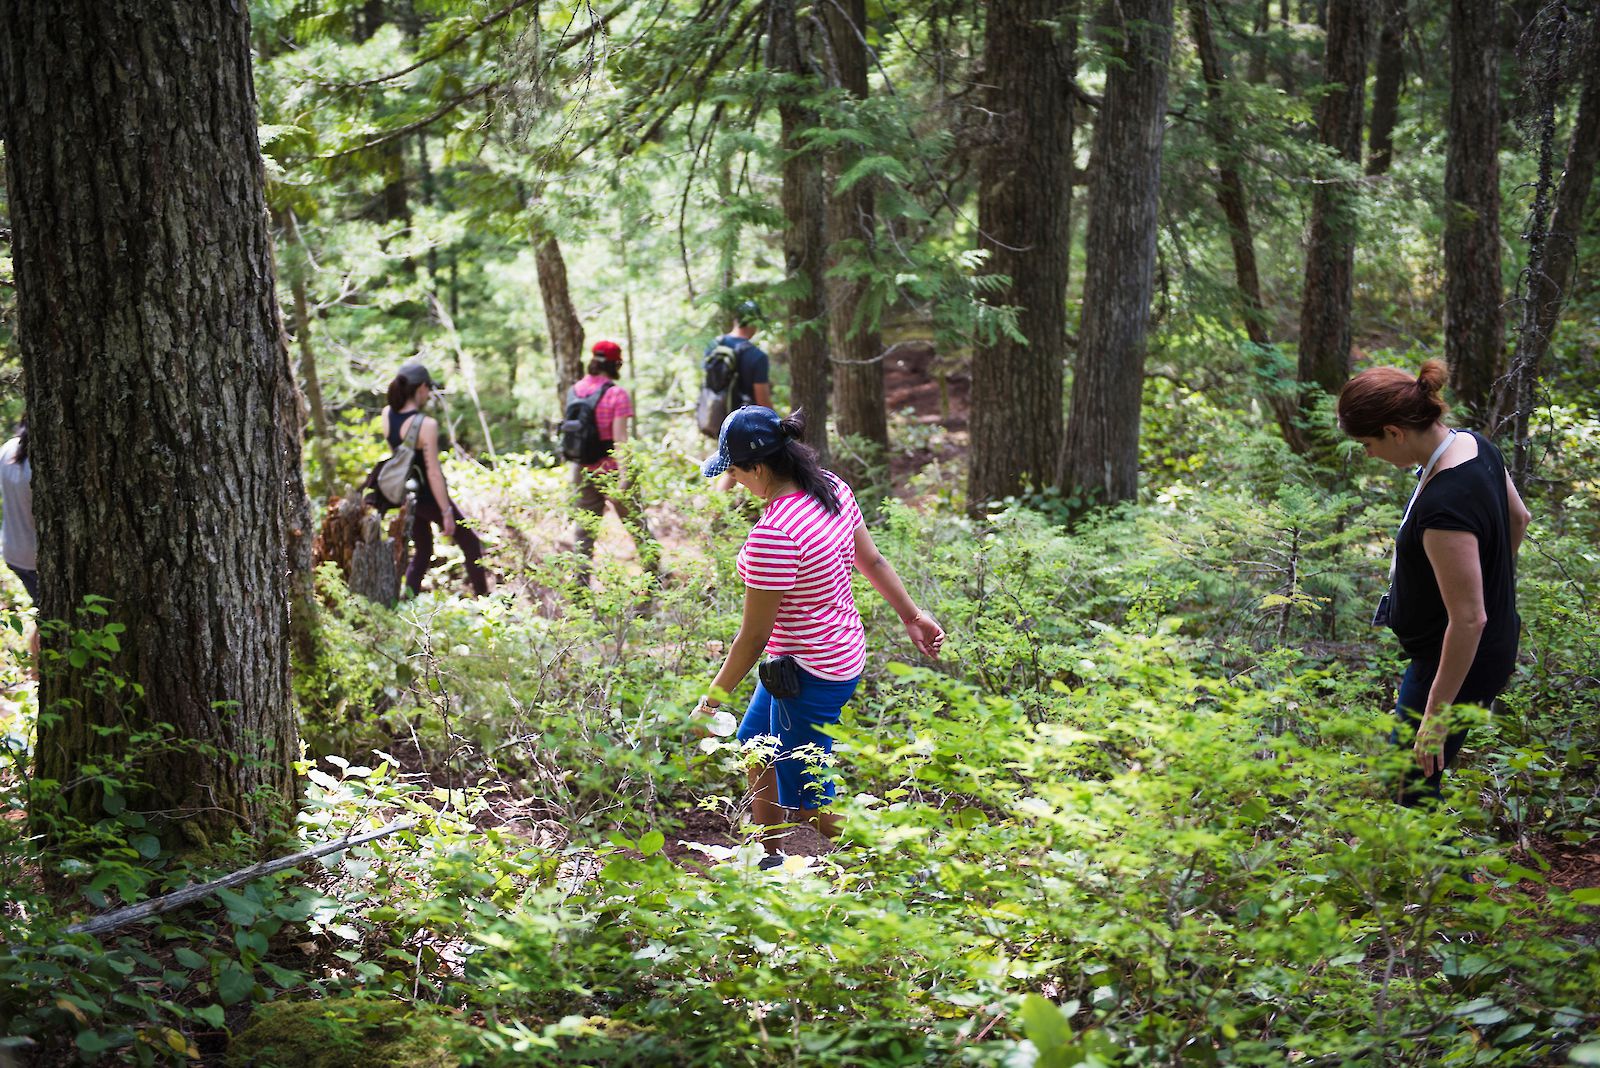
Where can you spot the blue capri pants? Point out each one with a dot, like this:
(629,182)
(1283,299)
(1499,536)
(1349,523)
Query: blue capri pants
(796,723)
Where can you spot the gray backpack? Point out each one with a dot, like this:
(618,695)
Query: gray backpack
(717,389)
(394,472)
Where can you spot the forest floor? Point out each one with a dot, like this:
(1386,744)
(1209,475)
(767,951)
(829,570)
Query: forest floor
(1572,866)
(931,394)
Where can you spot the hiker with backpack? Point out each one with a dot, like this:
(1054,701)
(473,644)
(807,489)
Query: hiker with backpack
(736,373)
(800,610)
(595,422)
(414,466)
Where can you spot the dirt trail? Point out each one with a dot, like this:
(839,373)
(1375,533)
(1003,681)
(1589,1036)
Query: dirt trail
(938,396)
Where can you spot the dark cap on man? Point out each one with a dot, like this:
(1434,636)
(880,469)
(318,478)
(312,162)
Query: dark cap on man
(748,313)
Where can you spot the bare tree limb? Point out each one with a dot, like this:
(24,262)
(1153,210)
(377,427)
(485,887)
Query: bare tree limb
(200,891)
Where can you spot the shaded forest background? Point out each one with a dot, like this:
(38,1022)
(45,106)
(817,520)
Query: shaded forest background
(1069,287)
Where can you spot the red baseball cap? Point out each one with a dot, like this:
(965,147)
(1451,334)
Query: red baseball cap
(609,351)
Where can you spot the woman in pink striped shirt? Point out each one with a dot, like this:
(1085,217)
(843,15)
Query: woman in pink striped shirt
(799,608)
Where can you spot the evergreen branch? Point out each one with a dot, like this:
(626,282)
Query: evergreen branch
(408,128)
(442,50)
(667,90)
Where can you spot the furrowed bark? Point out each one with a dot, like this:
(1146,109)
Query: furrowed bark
(1102,446)
(1024,215)
(163,409)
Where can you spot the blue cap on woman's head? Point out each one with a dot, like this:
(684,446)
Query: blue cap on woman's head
(747,434)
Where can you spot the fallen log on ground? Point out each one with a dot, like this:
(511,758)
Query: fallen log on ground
(199,891)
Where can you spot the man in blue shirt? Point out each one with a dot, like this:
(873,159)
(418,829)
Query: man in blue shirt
(754,386)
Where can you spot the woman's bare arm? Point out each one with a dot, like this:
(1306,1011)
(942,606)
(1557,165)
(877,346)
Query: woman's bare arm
(1454,556)
(760,614)
(921,628)
(1520,516)
(428,442)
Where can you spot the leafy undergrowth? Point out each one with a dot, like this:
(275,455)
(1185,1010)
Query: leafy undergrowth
(1139,815)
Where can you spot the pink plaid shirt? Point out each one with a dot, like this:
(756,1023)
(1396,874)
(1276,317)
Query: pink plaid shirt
(616,404)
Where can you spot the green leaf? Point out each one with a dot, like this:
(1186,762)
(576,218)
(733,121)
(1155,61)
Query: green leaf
(1588,1053)
(147,845)
(969,817)
(250,941)
(1588,895)
(241,910)
(234,983)
(188,957)
(93,1042)
(213,1015)
(1481,1011)
(284,978)
(114,802)
(1513,1034)
(1254,810)
(1048,1029)
(652,841)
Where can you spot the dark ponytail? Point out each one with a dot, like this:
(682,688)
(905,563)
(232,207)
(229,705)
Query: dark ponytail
(400,393)
(797,462)
(21,456)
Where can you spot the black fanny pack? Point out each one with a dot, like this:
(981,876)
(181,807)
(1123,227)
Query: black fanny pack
(780,675)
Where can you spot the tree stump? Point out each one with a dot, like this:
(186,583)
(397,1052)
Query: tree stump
(371,558)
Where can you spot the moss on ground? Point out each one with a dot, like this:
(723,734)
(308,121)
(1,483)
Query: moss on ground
(342,1033)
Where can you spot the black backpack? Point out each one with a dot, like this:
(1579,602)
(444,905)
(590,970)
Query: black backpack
(580,430)
(718,389)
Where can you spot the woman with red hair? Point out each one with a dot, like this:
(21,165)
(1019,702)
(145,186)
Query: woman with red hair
(1452,599)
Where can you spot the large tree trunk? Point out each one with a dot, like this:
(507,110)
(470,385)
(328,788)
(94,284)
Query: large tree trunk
(857,347)
(1552,253)
(1024,223)
(805,220)
(1235,205)
(560,316)
(1550,290)
(1388,73)
(1474,324)
(1102,453)
(1330,255)
(163,406)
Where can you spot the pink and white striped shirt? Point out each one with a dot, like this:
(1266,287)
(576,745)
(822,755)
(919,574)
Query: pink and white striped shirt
(799,548)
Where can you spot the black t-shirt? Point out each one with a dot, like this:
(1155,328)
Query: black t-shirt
(1469,497)
(751,363)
